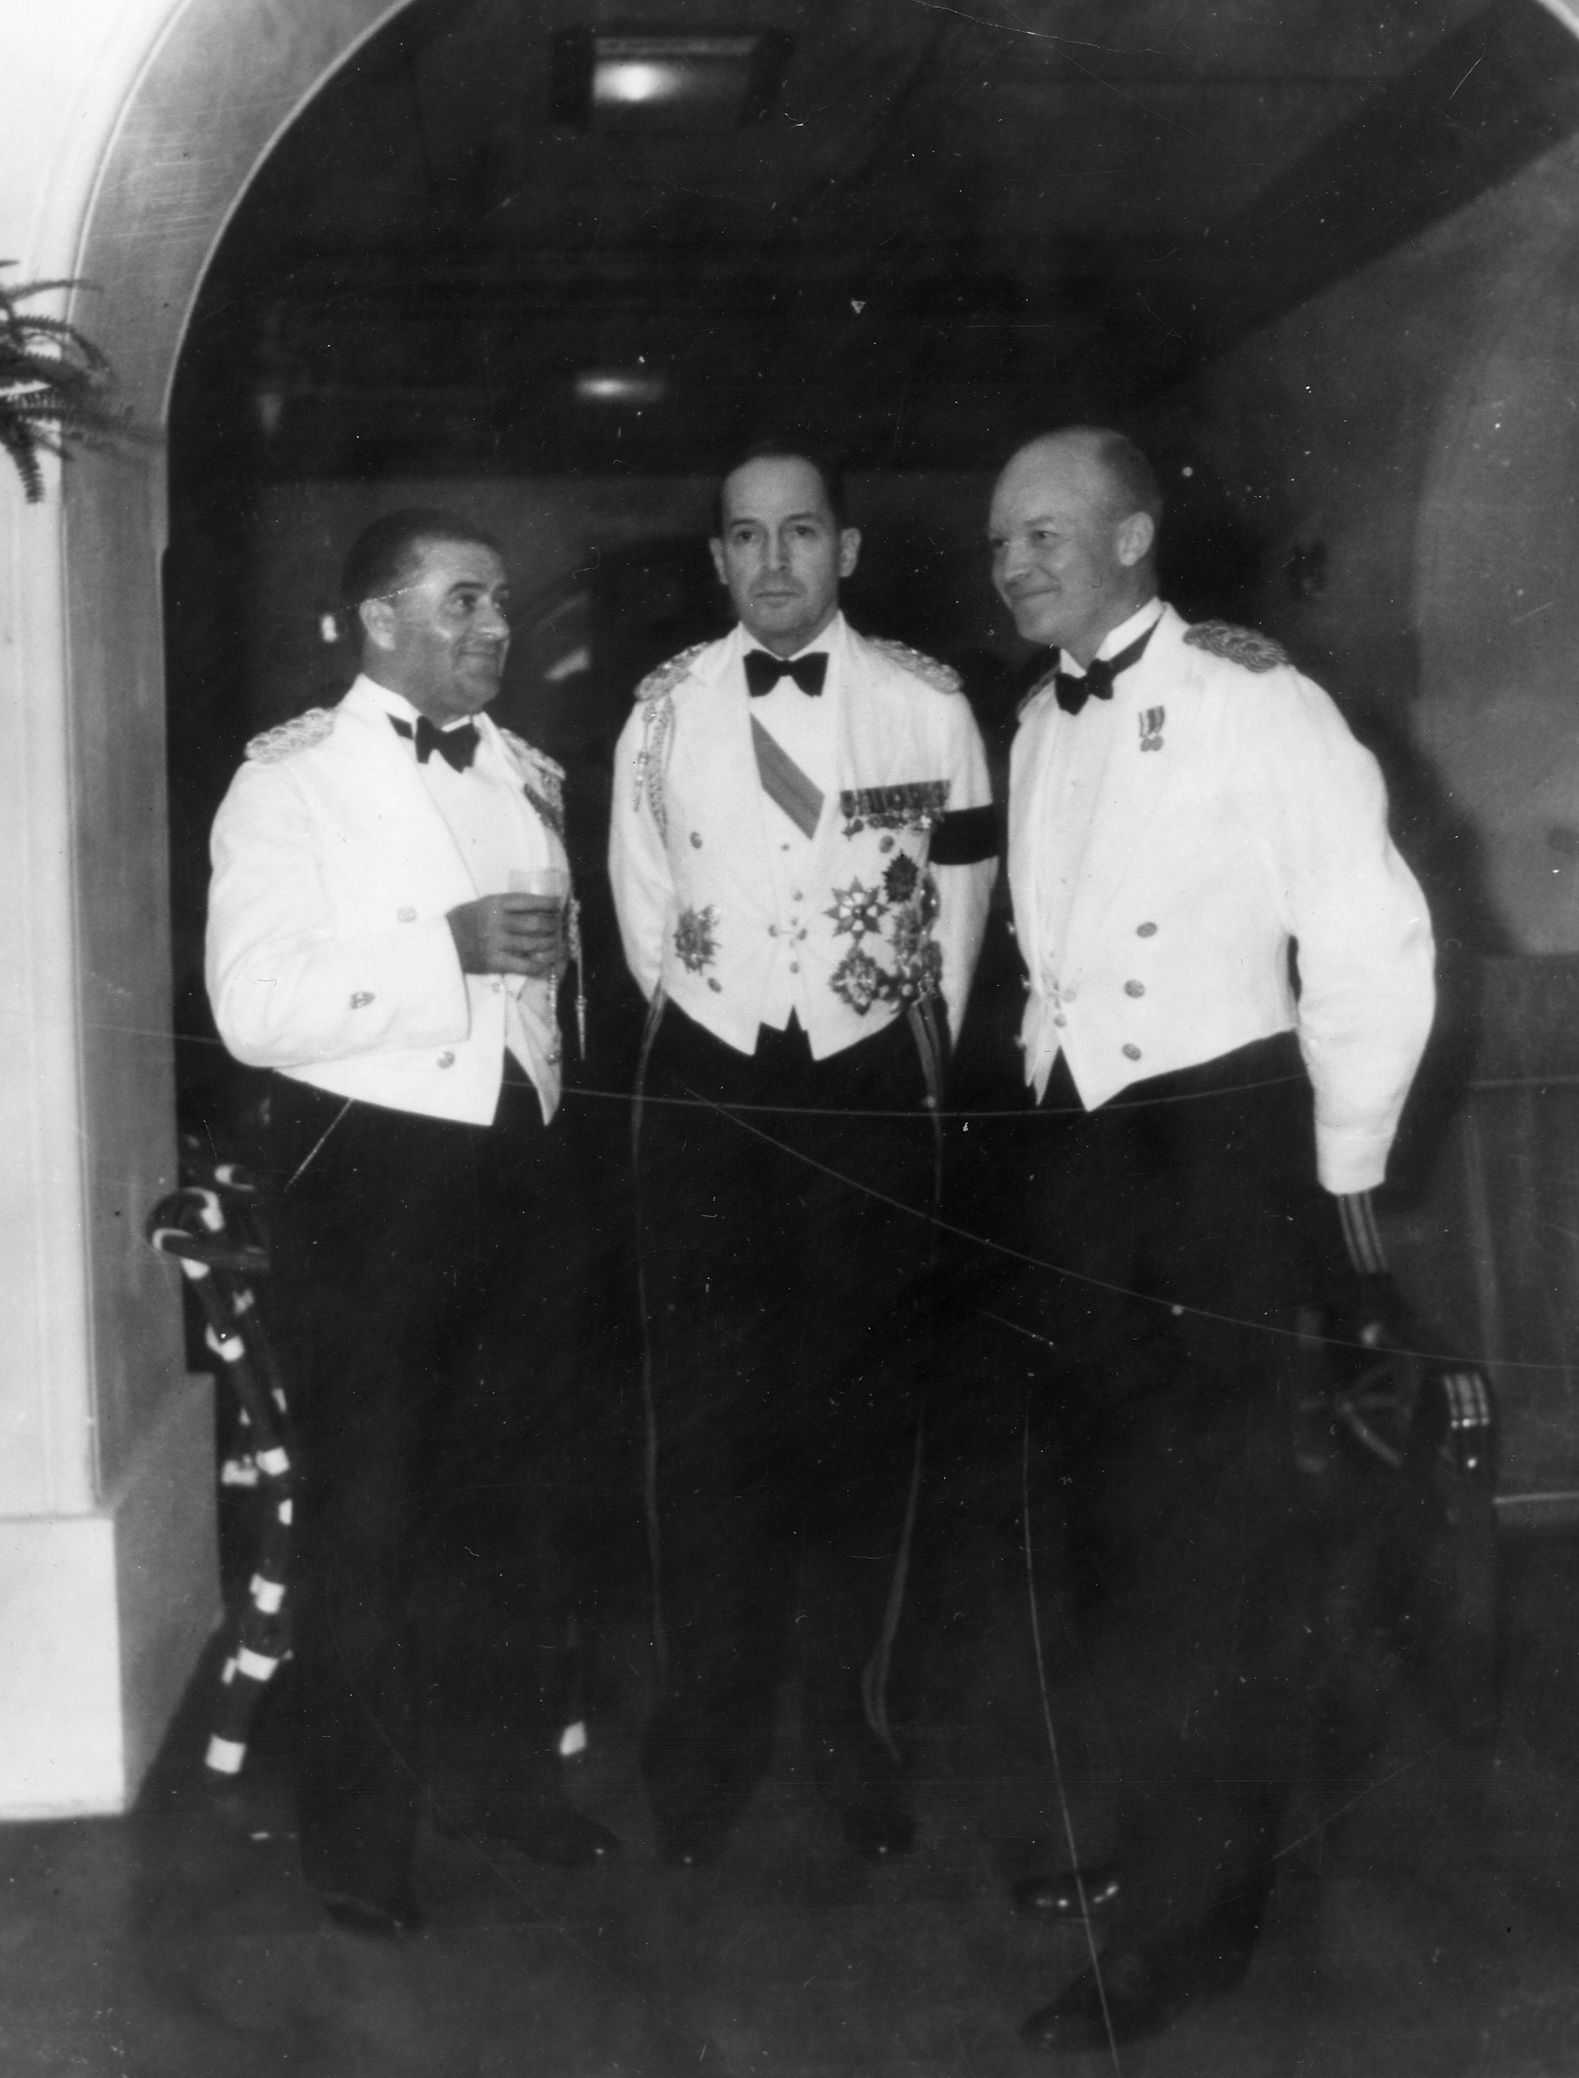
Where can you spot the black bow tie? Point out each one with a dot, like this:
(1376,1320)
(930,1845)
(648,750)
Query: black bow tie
(1072,693)
(764,670)
(457,747)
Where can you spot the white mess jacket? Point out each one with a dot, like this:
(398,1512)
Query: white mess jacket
(867,922)
(329,955)
(1237,815)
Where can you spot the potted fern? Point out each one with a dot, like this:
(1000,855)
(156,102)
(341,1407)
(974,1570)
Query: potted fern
(56,386)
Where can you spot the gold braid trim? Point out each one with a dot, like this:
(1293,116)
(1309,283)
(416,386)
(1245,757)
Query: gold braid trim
(1243,646)
(301,732)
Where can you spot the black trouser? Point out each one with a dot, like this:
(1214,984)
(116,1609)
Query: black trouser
(1186,1228)
(424,1280)
(786,1311)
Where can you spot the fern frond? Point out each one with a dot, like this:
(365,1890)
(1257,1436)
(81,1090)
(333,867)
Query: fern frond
(56,385)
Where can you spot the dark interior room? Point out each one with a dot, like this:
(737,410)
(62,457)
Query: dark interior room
(554,266)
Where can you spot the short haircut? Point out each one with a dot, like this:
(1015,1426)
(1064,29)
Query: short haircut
(384,555)
(768,448)
(1134,481)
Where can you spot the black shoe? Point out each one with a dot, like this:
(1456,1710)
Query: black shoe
(1139,1992)
(380,1919)
(549,1829)
(1077,1893)
(878,1832)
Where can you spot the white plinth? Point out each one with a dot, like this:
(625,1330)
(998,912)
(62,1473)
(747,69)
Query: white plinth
(101,1618)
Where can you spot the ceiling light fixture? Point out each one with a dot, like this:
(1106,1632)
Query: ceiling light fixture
(620,386)
(613,79)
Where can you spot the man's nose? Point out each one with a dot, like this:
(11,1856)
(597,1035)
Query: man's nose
(493,620)
(778,552)
(1009,562)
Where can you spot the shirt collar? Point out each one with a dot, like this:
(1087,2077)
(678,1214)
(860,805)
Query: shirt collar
(1130,630)
(830,639)
(398,707)
(370,693)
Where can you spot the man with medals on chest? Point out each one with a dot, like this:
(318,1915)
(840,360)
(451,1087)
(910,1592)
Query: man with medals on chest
(801,855)
(373,940)
(1229,977)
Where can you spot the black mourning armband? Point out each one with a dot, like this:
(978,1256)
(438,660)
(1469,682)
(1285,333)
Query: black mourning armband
(965,837)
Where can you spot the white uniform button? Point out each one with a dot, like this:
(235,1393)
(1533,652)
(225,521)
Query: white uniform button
(696,840)
(447,1059)
(1145,930)
(1134,988)
(1132,1053)
(406,915)
(1059,1018)
(794,966)
(773,930)
(361,999)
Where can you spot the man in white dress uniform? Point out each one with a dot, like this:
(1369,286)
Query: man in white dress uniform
(1229,987)
(365,943)
(801,854)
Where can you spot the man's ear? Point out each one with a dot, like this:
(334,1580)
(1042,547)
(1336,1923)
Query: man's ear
(719,564)
(849,550)
(377,617)
(1134,538)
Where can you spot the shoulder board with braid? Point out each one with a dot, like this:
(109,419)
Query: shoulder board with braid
(537,764)
(943,678)
(301,732)
(542,780)
(1243,646)
(665,677)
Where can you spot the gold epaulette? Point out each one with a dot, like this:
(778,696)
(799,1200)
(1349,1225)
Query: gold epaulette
(1243,646)
(542,779)
(663,678)
(943,678)
(301,732)
(535,760)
